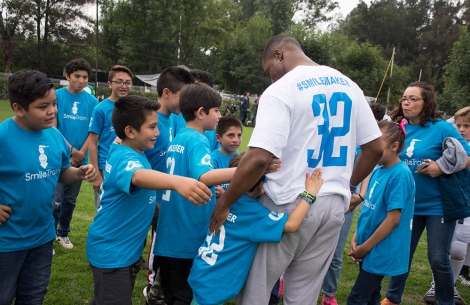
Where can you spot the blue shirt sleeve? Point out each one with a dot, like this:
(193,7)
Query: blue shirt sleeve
(269,228)
(124,174)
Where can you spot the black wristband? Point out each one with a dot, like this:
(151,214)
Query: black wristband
(360,197)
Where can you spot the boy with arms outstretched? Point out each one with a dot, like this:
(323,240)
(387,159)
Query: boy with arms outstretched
(101,128)
(181,227)
(223,262)
(28,177)
(75,107)
(116,237)
(169,85)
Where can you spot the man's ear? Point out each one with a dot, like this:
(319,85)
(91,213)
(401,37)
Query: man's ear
(218,138)
(67,76)
(19,110)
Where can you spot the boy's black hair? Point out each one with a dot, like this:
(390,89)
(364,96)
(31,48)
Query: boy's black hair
(26,86)
(76,65)
(393,133)
(234,163)
(117,68)
(173,78)
(378,110)
(131,111)
(203,77)
(196,96)
(226,122)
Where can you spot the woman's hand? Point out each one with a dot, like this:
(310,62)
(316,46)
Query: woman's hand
(432,170)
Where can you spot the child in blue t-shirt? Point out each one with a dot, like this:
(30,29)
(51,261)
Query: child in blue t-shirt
(74,110)
(101,128)
(382,240)
(34,157)
(169,85)
(229,135)
(181,227)
(223,261)
(128,199)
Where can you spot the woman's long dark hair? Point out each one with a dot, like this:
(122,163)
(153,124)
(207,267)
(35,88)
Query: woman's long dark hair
(429,111)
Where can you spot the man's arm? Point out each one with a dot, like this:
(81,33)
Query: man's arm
(366,160)
(252,166)
(93,153)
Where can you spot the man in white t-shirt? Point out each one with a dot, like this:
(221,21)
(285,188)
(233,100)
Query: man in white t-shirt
(311,116)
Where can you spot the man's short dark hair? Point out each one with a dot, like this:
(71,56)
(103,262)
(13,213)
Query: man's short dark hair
(26,86)
(203,77)
(118,68)
(77,64)
(226,122)
(196,96)
(173,78)
(131,111)
(378,110)
(279,42)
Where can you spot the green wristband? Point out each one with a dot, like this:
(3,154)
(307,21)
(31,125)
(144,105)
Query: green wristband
(308,197)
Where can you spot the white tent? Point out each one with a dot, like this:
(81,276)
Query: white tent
(152,79)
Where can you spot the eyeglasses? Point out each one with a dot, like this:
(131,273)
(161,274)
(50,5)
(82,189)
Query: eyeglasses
(411,99)
(120,83)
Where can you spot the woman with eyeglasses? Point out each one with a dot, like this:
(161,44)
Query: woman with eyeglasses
(425,133)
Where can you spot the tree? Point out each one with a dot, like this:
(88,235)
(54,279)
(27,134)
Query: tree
(240,56)
(13,16)
(457,75)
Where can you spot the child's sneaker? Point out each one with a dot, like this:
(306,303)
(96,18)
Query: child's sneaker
(387,302)
(64,241)
(457,298)
(430,296)
(328,300)
(464,279)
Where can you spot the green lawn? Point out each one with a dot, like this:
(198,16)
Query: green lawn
(72,282)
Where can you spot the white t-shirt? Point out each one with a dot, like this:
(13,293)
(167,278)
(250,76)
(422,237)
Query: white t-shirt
(313,116)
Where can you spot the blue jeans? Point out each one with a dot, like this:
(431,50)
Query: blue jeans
(24,275)
(439,239)
(366,290)
(330,282)
(65,199)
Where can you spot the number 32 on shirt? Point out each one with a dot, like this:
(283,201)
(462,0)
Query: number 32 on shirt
(321,107)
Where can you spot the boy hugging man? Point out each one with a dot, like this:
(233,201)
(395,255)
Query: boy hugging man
(181,226)
(116,237)
(34,157)
(223,261)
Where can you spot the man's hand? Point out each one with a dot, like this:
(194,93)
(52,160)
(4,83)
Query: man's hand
(87,172)
(194,191)
(432,170)
(5,212)
(219,215)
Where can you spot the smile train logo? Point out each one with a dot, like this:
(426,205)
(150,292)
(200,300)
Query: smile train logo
(42,156)
(75,108)
(411,148)
(371,192)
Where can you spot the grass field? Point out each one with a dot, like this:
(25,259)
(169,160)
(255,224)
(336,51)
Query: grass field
(72,282)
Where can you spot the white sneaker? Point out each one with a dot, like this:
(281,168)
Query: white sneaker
(64,241)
